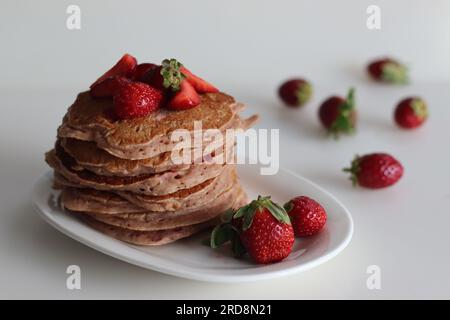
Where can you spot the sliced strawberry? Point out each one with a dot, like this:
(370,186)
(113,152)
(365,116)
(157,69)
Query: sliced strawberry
(200,85)
(142,69)
(186,98)
(107,87)
(125,67)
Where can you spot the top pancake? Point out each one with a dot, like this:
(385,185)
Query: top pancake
(91,120)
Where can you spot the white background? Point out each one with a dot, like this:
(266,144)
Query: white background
(246,48)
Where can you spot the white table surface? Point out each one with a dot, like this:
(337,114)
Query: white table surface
(403,229)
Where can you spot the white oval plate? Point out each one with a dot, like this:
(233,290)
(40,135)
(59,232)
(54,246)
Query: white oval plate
(189,258)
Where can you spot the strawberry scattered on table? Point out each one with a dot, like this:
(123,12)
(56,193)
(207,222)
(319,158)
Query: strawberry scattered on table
(338,115)
(411,113)
(308,217)
(388,70)
(295,92)
(375,171)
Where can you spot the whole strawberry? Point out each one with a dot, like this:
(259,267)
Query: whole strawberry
(135,99)
(295,92)
(411,113)
(261,228)
(388,70)
(338,115)
(308,217)
(375,171)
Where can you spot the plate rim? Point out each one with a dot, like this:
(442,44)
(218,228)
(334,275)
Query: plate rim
(189,274)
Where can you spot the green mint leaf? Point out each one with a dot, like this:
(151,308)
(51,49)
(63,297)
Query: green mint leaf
(221,234)
(227,216)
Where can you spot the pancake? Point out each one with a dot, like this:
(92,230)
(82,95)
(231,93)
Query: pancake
(89,156)
(233,198)
(105,202)
(186,199)
(140,138)
(147,238)
(121,178)
(92,200)
(150,184)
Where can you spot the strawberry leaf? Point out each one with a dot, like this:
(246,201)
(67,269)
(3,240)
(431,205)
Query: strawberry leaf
(304,93)
(241,212)
(172,76)
(248,217)
(344,122)
(420,108)
(354,170)
(394,72)
(278,212)
(221,234)
(227,216)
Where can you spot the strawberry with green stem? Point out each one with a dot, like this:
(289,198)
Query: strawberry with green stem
(375,170)
(295,92)
(388,70)
(411,113)
(338,115)
(262,229)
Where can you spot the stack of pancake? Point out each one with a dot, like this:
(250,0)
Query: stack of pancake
(121,176)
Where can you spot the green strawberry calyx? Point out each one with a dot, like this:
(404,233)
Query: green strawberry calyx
(171,73)
(248,212)
(304,93)
(229,232)
(345,121)
(420,108)
(394,72)
(354,170)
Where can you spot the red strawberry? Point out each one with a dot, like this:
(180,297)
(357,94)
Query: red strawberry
(200,85)
(186,98)
(411,113)
(295,92)
(154,78)
(141,70)
(338,115)
(308,217)
(107,87)
(263,229)
(374,171)
(388,70)
(125,67)
(136,99)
